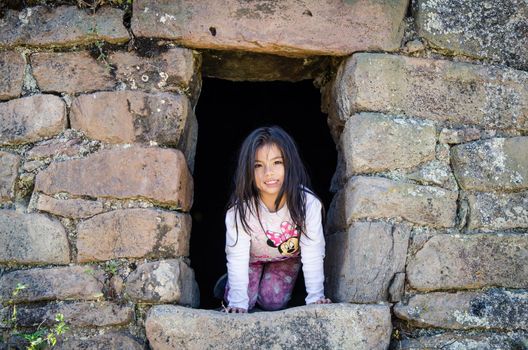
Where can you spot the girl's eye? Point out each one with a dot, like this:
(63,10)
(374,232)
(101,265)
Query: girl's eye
(258,165)
(278,162)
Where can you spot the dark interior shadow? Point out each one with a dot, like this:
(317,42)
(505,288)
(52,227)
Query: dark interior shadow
(227,112)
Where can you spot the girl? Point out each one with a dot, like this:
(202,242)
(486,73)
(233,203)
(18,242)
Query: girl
(273,224)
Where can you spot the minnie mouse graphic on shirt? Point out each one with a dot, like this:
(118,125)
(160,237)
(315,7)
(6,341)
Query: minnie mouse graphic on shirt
(287,241)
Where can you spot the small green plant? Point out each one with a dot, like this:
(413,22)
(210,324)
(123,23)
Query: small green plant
(100,53)
(42,337)
(111,267)
(12,322)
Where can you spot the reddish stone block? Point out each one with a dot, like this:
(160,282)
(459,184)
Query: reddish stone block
(133,233)
(151,173)
(177,69)
(31,119)
(62,26)
(72,208)
(287,28)
(132,116)
(57,283)
(70,72)
(9,164)
(12,67)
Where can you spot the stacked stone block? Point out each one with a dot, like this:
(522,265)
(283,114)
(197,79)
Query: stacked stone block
(430,211)
(430,208)
(96,156)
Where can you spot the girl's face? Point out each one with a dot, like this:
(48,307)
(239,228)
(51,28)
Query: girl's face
(269,171)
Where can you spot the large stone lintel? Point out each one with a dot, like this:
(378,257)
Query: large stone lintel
(285,28)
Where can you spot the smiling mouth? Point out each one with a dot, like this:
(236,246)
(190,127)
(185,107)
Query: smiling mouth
(272,182)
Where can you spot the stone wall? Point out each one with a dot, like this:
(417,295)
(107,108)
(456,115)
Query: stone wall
(429,114)
(97,147)
(431,205)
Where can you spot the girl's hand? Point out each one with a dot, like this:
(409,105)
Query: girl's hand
(323,301)
(235,310)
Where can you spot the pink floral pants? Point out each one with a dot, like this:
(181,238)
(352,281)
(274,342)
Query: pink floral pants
(271,283)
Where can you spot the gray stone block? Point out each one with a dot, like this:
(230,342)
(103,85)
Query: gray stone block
(499,164)
(490,30)
(361,263)
(380,198)
(449,261)
(449,92)
(373,142)
(32,239)
(165,281)
(466,340)
(493,309)
(337,326)
(498,211)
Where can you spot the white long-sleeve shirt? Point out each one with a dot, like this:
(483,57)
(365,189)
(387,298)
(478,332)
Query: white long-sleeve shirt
(276,242)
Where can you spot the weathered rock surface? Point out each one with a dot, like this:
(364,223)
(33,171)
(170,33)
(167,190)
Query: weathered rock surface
(31,119)
(374,142)
(32,239)
(498,211)
(71,208)
(111,340)
(70,72)
(165,281)
(133,233)
(62,26)
(283,28)
(397,287)
(9,164)
(123,172)
(250,66)
(56,148)
(495,308)
(375,197)
(77,314)
(494,164)
(435,173)
(455,136)
(133,116)
(176,69)
(32,165)
(495,31)
(470,261)
(12,67)
(453,92)
(362,261)
(466,340)
(337,326)
(57,283)
(336,218)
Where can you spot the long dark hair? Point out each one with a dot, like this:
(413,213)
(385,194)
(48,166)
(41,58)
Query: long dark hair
(245,196)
